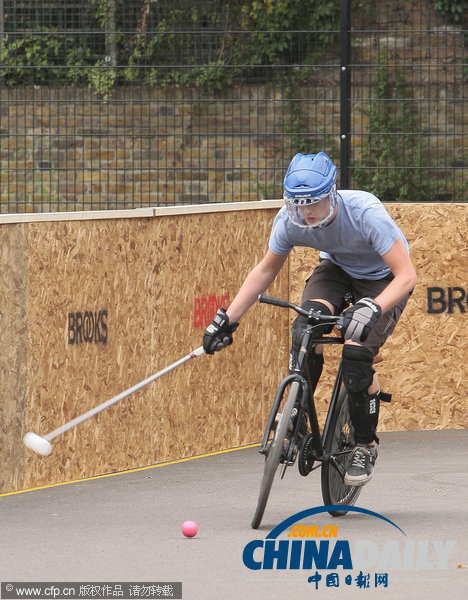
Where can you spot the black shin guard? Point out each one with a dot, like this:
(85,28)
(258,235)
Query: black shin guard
(363,407)
(315,361)
(364,413)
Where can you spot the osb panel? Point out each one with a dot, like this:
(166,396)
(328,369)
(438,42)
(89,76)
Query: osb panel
(424,361)
(147,275)
(13,324)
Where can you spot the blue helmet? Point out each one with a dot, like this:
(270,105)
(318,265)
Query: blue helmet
(310,178)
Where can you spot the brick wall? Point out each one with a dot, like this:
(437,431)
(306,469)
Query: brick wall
(68,146)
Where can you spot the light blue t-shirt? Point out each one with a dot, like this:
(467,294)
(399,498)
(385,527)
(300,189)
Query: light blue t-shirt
(360,234)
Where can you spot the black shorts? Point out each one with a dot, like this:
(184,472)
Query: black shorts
(329,282)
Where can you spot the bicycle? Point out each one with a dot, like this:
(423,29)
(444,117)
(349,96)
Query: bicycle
(294,432)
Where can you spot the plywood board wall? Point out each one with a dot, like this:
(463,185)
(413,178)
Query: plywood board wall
(144,288)
(13,354)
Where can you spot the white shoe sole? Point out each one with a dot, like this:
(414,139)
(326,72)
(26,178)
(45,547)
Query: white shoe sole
(358,481)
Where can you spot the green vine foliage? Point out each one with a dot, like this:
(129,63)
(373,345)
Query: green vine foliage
(453,9)
(206,44)
(33,58)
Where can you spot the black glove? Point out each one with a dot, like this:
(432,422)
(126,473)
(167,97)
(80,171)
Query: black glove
(359,319)
(219,332)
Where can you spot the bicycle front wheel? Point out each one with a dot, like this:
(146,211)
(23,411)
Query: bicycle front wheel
(339,444)
(275,451)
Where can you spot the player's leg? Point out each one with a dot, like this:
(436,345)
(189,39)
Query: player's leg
(363,403)
(324,291)
(362,384)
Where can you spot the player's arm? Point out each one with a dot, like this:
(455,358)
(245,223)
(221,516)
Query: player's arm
(256,282)
(219,332)
(359,319)
(405,278)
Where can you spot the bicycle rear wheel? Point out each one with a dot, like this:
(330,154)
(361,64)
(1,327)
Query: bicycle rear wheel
(339,443)
(275,451)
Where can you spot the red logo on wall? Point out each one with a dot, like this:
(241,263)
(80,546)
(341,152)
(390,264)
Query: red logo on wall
(206,306)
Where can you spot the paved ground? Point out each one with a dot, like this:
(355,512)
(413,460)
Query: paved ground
(126,528)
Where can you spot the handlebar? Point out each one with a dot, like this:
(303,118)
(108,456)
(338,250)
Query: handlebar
(312,315)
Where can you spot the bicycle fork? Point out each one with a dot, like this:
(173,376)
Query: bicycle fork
(274,410)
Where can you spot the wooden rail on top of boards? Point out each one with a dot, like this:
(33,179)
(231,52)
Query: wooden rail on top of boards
(131,213)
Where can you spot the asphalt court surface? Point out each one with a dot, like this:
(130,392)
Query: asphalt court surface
(126,528)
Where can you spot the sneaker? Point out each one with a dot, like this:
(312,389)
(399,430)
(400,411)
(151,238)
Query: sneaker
(362,464)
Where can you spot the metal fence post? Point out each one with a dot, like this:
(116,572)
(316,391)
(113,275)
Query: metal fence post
(345,94)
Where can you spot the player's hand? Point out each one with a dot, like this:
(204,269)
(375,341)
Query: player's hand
(219,332)
(359,319)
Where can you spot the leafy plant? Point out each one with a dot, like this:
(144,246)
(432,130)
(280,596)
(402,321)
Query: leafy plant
(102,78)
(30,59)
(205,44)
(455,9)
(394,157)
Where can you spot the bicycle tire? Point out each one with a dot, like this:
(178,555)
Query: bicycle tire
(340,438)
(274,455)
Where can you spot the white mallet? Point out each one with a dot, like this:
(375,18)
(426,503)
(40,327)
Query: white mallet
(36,443)
(41,445)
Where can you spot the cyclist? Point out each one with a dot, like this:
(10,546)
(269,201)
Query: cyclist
(362,250)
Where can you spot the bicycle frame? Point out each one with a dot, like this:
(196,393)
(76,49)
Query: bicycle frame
(307,342)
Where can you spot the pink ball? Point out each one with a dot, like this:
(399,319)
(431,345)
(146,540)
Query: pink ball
(189,528)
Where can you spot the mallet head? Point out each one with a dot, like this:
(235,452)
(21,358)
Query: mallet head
(37,444)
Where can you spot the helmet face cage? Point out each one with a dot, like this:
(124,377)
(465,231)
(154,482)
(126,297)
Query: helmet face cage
(293,206)
(310,179)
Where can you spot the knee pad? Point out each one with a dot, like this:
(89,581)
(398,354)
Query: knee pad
(357,368)
(363,407)
(315,364)
(300,322)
